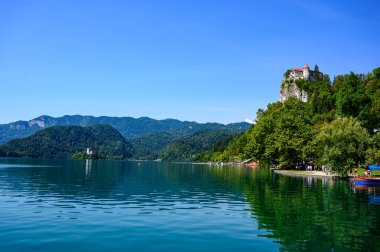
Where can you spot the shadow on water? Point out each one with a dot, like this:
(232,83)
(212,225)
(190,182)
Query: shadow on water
(372,191)
(310,214)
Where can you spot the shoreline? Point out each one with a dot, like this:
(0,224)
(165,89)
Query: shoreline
(296,173)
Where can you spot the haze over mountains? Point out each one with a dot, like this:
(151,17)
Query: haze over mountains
(129,127)
(150,138)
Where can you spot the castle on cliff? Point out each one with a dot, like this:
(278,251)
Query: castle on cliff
(289,87)
(305,73)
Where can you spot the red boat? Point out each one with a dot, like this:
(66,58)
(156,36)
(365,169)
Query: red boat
(368,180)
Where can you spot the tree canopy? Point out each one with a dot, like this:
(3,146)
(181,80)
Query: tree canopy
(342,144)
(337,126)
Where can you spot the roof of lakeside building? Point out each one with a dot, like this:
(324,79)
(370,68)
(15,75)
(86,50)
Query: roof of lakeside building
(297,70)
(301,70)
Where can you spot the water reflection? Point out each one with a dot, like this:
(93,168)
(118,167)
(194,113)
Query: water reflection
(198,203)
(373,193)
(145,186)
(312,214)
(126,205)
(88,167)
(374,199)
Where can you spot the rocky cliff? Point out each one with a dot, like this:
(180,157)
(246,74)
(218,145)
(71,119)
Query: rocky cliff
(290,89)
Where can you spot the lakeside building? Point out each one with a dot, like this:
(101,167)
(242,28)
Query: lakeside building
(305,73)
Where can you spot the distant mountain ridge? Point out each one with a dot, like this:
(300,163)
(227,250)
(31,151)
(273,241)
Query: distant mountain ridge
(129,127)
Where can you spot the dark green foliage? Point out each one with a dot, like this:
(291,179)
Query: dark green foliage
(148,146)
(350,95)
(334,127)
(282,134)
(186,148)
(371,114)
(373,151)
(286,74)
(358,95)
(342,144)
(64,141)
(228,150)
(84,155)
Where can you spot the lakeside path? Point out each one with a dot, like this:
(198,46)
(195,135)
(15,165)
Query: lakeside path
(305,173)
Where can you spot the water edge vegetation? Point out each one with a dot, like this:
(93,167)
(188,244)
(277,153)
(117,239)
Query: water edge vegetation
(338,126)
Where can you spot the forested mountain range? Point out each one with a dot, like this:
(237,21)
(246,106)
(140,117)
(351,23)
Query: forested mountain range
(129,127)
(65,141)
(147,137)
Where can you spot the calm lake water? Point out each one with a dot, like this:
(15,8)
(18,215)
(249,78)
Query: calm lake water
(63,205)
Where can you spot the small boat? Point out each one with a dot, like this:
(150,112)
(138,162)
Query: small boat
(368,180)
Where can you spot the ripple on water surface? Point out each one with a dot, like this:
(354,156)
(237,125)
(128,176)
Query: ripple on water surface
(60,205)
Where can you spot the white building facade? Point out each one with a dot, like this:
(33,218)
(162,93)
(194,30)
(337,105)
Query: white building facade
(289,86)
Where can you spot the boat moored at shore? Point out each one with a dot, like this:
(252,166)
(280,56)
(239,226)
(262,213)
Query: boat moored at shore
(368,180)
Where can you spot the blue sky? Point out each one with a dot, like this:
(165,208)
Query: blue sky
(198,60)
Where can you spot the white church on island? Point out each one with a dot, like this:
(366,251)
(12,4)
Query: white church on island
(289,87)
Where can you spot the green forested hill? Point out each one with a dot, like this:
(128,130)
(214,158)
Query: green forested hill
(148,146)
(186,148)
(338,126)
(64,141)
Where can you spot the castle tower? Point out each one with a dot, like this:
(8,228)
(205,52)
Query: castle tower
(316,69)
(306,72)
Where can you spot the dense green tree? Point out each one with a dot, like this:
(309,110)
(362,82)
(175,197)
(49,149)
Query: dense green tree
(371,115)
(373,151)
(149,146)
(293,132)
(282,135)
(187,148)
(228,150)
(342,144)
(350,95)
(287,72)
(321,99)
